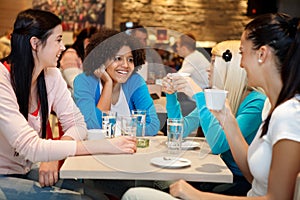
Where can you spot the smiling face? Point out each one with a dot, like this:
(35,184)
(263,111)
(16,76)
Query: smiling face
(49,53)
(121,66)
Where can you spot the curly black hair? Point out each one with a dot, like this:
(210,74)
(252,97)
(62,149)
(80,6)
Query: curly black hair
(105,44)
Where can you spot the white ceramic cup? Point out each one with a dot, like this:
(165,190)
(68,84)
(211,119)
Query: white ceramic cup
(215,98)
(181,74)
(177,74)
(96,134)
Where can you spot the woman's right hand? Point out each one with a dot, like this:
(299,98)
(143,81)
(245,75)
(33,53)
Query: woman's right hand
(102,74)
(123,144)
(117,145)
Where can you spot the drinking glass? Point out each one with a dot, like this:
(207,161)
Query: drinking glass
(174,132)
(141,125)
(141,121)
(128,125)
(109,123)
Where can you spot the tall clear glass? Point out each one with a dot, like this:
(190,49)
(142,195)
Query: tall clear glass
(174,132)
(109,123)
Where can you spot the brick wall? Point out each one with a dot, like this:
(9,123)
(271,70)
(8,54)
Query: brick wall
(208,20)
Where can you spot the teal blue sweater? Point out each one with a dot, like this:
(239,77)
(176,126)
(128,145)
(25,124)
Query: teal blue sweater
(248,117)
(87,95)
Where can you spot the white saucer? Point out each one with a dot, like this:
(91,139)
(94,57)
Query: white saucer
(188,144)
(170,162)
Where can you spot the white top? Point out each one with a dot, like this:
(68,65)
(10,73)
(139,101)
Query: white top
(284,124)
(121,108)
(196,64)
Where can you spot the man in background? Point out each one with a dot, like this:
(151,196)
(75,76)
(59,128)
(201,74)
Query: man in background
(194,63)
(153,68)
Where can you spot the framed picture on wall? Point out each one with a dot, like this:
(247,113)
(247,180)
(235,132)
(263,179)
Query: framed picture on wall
(79,14)
(162,35)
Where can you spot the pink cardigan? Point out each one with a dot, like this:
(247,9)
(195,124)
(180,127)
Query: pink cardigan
(17,135)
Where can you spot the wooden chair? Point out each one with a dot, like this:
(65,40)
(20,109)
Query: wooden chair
(297,188)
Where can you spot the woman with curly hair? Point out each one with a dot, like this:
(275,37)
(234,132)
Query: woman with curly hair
(110,81)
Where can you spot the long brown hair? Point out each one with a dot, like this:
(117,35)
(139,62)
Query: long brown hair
(278,31)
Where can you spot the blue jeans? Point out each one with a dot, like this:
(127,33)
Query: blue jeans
(26,187)
(19,188)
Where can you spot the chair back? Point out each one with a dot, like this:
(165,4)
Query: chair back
(297,188)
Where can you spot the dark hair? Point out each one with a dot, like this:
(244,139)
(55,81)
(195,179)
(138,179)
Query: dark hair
(105,44)
(139,28)
(78,45)
(30,23)
(188,40)
(278,31)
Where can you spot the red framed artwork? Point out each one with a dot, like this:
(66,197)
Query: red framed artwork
(78,14)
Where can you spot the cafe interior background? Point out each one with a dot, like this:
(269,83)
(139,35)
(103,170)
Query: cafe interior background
(210,21)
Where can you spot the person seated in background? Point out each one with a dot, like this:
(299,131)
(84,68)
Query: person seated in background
(154,67)
(71,59)
(110,81)
(5,39)
(5,44)
(194,63)
(4,50)
(30,86)
(270,49)
(246,104)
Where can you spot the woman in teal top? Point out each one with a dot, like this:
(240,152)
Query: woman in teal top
(247,104)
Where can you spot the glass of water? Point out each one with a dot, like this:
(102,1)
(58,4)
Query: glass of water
(174,132)
(141,125)
(109,123)
(128,125)
(141,121)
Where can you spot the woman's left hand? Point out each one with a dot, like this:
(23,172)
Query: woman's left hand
(183,190)
(48,173)
(186,85)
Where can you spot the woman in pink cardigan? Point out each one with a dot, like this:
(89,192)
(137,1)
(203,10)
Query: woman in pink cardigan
(30,87)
